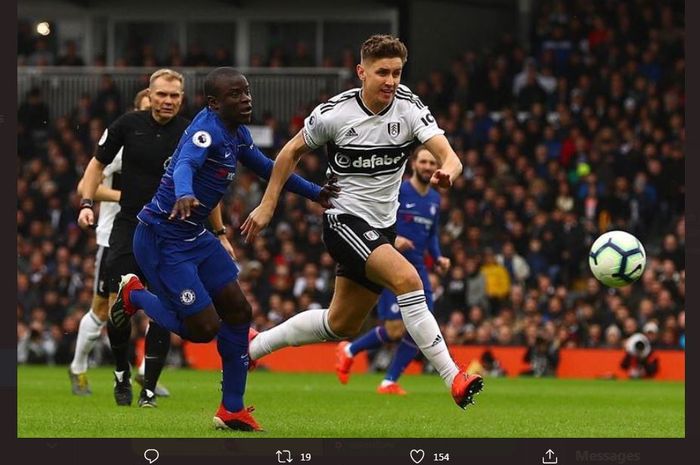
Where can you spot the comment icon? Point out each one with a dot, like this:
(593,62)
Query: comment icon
(151,455)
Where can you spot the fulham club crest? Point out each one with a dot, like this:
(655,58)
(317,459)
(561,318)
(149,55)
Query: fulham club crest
(394,129)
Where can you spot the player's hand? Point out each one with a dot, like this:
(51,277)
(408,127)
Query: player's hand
(183,207)
(227,246)
(441,179)
(86,218)
(329,191)
(403,243)
(442,264)
(257,221)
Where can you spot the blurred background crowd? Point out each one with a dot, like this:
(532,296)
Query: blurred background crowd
(581,134)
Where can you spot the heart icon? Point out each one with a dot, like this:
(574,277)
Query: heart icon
(417,455)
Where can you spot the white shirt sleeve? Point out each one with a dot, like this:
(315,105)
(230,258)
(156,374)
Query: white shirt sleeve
(316,131)
(423,124)
(115,166)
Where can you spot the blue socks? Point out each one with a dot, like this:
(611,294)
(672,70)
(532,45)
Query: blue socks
(406,351)
(158,312)
(232,343)
(372,339)
(375,338)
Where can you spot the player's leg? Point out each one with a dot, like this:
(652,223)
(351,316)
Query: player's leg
(389,268)
(353,298)
(89,331)
(405,352)
(148,255)
(387,309)
(91,325)
(219,275)
(119,343)
(407,349)
(119,336)
(350,305)
(156,347)
(160,390)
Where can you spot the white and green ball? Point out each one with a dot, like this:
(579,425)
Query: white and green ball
(617,259)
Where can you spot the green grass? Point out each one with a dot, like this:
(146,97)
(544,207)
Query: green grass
(316,405)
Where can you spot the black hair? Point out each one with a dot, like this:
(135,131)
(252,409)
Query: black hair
(211,82)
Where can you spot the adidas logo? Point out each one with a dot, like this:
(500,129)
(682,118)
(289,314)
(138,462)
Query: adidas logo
(351,133)
(437,341)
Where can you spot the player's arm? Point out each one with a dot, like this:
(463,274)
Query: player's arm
(261,165)
(192,155)
(450,166)
(217,225)
(403,244)
(91,179)
(102,194)
(108,147)
(284,166)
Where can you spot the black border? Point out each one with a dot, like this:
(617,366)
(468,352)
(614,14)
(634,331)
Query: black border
(333,451)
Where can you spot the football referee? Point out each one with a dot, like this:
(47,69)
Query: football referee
(148,139)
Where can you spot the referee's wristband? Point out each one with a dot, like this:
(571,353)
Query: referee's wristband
(220,232)
(87,203)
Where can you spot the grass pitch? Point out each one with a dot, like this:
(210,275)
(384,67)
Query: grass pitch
(317,406)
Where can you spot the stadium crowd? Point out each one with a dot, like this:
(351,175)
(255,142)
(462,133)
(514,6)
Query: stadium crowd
(581,134)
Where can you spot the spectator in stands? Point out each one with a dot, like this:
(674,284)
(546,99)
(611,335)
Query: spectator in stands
(542,358)
(33,113)
(42,55)
(302,56)
(496,279)
(70,57)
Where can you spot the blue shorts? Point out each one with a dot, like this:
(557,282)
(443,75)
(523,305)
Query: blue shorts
(388,307)
(183,274)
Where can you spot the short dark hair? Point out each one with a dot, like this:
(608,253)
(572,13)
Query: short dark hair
(383,46)
(211,82)
(139,96)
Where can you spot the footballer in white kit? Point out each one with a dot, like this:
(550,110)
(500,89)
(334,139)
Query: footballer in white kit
(367,152)
(94,320)
(370,133)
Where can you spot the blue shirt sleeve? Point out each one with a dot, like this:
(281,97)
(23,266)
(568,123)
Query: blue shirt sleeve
(191,157)
(253,158)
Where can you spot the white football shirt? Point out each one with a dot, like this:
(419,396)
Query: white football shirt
(367,151)
(108,210)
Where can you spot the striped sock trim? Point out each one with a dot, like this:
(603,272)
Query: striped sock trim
(94,318)
(411,298)
(327,328)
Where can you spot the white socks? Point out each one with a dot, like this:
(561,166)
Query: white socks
(423,328)
(305,328)
(88,334)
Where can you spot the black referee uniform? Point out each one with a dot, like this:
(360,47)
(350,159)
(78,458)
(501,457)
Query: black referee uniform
(147,145)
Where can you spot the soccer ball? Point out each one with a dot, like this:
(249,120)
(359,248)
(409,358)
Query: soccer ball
(617,259)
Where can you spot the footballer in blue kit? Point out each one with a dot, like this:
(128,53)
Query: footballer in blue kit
(417,227)
(193,288)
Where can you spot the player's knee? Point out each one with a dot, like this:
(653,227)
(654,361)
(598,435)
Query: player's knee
(406,280)
(346,329)
(205,331)
(245,311)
